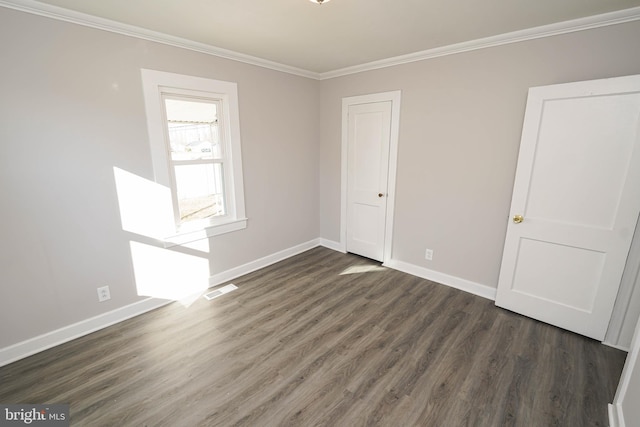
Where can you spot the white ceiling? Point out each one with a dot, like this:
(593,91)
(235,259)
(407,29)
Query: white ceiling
(341,33)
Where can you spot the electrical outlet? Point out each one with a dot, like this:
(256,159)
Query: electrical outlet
(104,294)
(428,254)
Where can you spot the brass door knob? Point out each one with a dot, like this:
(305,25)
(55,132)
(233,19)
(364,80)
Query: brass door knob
(518,219)
(380,195)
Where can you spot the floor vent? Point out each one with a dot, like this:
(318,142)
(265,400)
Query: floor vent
(221,291)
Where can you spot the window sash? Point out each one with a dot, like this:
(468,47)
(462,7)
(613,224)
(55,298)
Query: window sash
(197,162)
(178,203)
(205,196)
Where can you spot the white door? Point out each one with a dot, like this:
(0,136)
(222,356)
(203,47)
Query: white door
(575,204)
(369,131)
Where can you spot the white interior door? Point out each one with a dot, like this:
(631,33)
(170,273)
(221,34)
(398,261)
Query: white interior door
(575,204)
(369,131)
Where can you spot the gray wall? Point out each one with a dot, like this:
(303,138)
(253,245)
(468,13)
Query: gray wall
(71,108)
(460,125)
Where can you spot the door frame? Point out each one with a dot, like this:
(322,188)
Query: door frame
(394,97)
(628,379)
(626,307)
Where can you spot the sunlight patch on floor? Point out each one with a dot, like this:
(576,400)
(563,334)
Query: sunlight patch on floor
(356,269)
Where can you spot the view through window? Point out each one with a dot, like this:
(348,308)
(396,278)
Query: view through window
(197,157)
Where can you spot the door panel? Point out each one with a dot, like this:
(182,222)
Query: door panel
(368,166)
(578,188)
(570,147)
(569,264)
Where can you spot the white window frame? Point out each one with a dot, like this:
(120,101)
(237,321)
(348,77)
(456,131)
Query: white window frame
(158,84)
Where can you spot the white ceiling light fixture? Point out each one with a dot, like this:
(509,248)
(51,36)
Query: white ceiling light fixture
(319,1)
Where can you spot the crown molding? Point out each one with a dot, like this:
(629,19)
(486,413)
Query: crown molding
(62,14)
(565,27)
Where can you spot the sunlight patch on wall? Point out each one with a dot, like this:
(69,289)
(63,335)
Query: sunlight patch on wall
(146,209)
(145,206)
(167,274)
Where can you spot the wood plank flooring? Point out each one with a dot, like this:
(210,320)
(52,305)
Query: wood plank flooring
(303,343)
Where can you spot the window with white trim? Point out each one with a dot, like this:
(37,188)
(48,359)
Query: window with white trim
(194,134)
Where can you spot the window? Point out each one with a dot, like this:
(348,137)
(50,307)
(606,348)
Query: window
(194,134)
(197,157)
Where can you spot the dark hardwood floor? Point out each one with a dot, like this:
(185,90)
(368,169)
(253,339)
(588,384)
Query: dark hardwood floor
(301,343)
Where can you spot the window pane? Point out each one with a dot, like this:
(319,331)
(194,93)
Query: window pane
(200,191)
(193,129)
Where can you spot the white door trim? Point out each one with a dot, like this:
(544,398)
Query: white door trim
(627,305)
(394,97)
(628,379)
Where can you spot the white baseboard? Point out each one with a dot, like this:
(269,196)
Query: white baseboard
(444,279)
(615,416)
(60,336)
(330,244)
(252,266)
(616,346)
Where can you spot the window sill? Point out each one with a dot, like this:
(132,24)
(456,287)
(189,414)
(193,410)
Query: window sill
(188,235)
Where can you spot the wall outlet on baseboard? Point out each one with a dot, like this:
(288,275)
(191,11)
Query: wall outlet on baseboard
(104,294)
(428,254)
